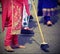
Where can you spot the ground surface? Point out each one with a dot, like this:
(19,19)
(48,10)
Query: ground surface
(32,42)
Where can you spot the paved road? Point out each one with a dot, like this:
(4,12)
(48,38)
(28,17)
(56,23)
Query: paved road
(32,42)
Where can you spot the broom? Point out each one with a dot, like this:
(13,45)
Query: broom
(44,45)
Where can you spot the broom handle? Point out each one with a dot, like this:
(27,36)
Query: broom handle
(39,26)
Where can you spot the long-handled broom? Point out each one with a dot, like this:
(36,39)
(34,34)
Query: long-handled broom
(44,45)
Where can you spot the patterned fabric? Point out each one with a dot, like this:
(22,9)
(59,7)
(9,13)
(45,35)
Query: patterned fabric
(16,17)
(13,10)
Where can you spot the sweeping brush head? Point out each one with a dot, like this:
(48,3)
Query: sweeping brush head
(44,47)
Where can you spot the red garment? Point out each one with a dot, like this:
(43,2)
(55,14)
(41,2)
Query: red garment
(10,39)
(12,11)
(6,9)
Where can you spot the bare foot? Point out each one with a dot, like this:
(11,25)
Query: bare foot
(8,48)
(49,23)
(21,46)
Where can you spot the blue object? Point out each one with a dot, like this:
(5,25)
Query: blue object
(47,18)
(39,10)
(31,17)
(45,4)
(45,47)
